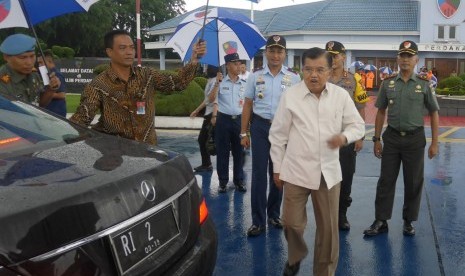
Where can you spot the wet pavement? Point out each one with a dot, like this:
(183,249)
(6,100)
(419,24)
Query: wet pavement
(436,249)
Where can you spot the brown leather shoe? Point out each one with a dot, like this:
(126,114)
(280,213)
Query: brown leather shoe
(378,227)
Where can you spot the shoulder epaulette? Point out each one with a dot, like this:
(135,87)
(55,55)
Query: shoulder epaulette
(423,77)
(292,71)
(257,69)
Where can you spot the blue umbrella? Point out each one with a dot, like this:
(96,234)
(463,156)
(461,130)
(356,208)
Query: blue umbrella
(357,64)
(385,70)
(369,67)
(225,32)
(26,13)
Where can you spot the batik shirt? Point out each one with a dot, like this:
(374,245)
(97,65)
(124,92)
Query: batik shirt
(127,108)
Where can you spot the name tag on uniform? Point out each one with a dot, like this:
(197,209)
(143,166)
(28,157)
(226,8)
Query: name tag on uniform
(140,108)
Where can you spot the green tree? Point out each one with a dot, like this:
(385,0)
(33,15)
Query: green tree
(84,31)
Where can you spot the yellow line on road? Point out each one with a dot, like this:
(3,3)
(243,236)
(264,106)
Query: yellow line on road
(448,132)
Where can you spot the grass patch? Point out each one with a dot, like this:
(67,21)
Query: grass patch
(72,102)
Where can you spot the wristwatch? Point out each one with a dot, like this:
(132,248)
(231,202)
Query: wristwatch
(243,135)
(375,139)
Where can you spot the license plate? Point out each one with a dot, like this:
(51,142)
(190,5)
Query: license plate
(137,242)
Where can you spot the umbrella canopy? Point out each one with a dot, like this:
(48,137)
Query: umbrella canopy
(385,70)
(17,13)
(357,64)
(369,67)
(225,32)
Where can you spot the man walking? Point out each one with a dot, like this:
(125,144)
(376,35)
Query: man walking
(227,119)
(404,96)
(263,92)
(313,120)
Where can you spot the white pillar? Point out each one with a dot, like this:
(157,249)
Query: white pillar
(162,59)
(348,59)
(290,58)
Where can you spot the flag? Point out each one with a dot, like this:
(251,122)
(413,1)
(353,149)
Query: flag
(11,14)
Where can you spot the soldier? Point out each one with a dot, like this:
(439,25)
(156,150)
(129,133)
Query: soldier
(404,95)
(17,78)
(348,153)
(264,89)
(227,119)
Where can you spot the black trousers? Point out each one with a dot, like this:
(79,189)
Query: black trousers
(410,151)
(347,159)
(202,139)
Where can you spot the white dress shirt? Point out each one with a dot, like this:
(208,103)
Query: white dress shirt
(301,128)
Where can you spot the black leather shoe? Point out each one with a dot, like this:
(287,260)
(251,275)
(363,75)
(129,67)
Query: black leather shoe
(378,227)
(203,168)
(409,230)
(255,230)
(343,223)
(290,270)
(222,188)
(276,222)
(240,186)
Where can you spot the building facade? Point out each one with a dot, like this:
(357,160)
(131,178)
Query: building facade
(371,31)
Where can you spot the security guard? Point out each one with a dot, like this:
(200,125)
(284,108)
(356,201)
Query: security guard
(404,95)
(264,89)
(17,78)
(227,118)
(347,154)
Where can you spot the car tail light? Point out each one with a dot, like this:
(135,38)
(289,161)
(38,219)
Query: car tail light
(203,211)
(9,140)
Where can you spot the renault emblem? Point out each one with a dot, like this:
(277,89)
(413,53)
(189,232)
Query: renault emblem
(148,190)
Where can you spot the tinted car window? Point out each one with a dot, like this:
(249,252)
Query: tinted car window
(24,128)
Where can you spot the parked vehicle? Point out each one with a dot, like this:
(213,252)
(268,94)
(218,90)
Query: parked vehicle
(78,202)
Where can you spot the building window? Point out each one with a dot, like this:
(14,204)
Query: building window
(451,32)
(445,33)
(440,32)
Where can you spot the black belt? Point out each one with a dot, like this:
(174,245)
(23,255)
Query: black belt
(404,133)
(256,117)
(232,117)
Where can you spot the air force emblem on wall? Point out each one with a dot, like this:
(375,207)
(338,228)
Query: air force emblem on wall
(448,7)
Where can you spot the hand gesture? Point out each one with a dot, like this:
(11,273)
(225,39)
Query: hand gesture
(54,81)
(199,50)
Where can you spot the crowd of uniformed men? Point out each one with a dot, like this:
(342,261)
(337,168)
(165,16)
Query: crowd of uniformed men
(304,134)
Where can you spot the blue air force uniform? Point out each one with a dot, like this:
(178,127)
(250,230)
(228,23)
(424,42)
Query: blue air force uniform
(265,90)
(228,127)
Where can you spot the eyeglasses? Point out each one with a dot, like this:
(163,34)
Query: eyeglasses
(318,71)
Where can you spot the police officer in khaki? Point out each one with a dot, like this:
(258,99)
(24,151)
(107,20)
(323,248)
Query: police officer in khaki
(404,96)
(17,77)
(348,153)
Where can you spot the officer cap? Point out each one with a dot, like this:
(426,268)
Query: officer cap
(408,47)
(231,57)
(335,47)
(17,44)
(276,40)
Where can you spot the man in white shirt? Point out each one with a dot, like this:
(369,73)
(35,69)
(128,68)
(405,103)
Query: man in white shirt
(314,119)
(244,75)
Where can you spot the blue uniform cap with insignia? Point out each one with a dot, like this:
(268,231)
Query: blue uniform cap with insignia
(231,57)
(17,44)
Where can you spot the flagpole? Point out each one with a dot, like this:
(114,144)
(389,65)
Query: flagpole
(139,58)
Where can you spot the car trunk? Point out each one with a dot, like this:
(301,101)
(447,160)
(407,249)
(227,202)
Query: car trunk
(58,196)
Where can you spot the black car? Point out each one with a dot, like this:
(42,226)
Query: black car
(77,202)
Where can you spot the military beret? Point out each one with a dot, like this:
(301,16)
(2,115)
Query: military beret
(408,47)
(231,57)
(335,47)
(17,44)
(276,40)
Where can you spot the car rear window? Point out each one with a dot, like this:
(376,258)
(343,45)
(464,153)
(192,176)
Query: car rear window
(25,128)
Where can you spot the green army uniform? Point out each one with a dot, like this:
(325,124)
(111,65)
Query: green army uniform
(405,101)
(21,87)
(403,142)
